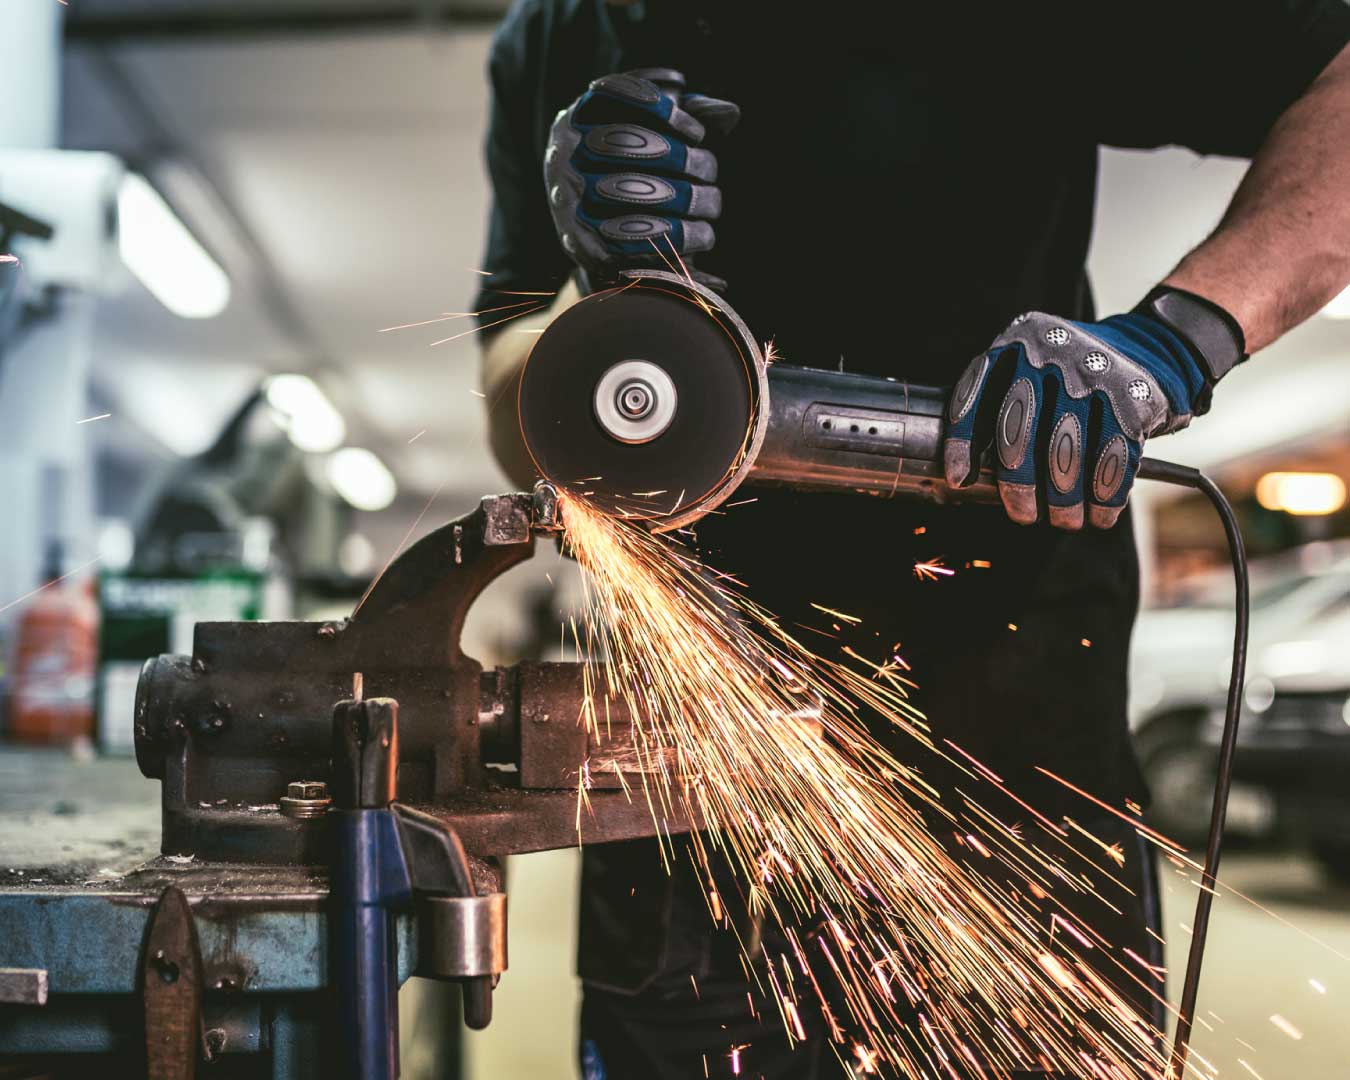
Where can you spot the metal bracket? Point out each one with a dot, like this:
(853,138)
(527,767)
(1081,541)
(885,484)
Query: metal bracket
(172,989)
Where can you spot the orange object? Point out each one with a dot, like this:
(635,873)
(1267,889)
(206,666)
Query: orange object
(55,662)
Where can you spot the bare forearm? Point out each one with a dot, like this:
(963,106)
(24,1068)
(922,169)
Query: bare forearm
(503,359)
(1283,248)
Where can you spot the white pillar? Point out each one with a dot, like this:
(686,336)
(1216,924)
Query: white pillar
(46,470)
(30,57)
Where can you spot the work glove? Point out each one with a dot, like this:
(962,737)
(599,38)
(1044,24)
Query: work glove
(1067,405)
(630,183)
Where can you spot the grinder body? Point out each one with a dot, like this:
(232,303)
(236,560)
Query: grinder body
(835,430)
(654,401)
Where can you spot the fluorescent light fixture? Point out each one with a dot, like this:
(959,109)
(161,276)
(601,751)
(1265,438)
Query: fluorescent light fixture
(1339,308)
(361,478)
(307,415)
(1302,493)
(165,256)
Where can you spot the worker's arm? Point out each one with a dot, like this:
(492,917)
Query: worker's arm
(1283,248)
(1066,406)
(503,359)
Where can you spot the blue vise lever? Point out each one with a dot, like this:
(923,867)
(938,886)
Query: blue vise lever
(389,858)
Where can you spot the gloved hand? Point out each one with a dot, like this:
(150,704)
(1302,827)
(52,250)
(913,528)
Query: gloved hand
(1068,405)
(628,178)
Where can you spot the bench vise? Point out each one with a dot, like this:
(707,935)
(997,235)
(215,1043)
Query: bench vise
(375,745)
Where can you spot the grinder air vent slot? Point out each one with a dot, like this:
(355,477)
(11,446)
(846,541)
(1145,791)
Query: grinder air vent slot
(863,431)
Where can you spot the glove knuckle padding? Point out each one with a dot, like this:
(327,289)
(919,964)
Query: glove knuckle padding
(966,391)
(1065,454)
(1012,434)
(635,227)
(1112,469)
(635,189)
(626,141)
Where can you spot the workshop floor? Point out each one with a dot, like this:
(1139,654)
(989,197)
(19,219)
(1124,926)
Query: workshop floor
(1257,967)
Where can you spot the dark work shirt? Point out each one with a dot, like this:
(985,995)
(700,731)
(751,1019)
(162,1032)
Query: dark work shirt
(901,185)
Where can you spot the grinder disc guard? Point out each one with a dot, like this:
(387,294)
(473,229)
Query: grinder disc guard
(704,357)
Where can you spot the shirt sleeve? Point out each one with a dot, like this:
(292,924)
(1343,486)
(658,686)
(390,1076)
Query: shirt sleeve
(522,253)
(1212,75)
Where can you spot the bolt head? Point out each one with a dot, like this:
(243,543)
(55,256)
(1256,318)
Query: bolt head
(307,789)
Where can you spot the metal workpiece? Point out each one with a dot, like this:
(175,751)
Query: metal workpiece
(546,512)
(459,937)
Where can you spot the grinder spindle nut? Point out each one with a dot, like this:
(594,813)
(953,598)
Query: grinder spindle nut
(635,401)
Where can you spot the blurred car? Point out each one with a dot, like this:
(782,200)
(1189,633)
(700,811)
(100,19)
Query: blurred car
(1298,665)
(1295,736)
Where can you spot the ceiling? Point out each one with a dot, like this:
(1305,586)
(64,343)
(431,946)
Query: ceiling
(337,177)
(329,154)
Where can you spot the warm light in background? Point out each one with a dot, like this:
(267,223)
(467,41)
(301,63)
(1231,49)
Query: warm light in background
(165,256)
(1301,493)
(361,478)
(309,418)
(1339,308)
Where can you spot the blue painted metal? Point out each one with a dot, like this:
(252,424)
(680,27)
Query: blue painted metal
(370,879)
(88,942)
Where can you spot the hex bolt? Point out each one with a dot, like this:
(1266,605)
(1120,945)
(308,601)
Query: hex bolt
(305,799)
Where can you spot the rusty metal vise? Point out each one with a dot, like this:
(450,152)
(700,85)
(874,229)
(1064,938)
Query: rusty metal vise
(376,747)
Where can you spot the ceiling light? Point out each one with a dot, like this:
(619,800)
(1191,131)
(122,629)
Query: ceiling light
(165,256)
(361,478)
(1339,308)
(1303,493)
(308,417)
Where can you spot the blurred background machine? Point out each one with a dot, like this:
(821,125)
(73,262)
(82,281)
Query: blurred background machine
(198,406)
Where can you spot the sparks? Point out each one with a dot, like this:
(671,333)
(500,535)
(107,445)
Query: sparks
(852,619)
(91,419)
(1286,1027)
(55,581)
(738,727)
(931,570)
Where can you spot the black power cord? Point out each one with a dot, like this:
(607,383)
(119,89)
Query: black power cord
(1182,476)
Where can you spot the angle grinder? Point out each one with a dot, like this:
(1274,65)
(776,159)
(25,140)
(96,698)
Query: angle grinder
(655,401)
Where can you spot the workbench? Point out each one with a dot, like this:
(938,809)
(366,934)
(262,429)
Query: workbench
(80,874)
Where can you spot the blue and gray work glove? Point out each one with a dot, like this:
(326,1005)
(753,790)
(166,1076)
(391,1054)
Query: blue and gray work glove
(630,183)
(1067,405)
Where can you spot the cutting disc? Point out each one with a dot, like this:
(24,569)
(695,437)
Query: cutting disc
(643,400)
